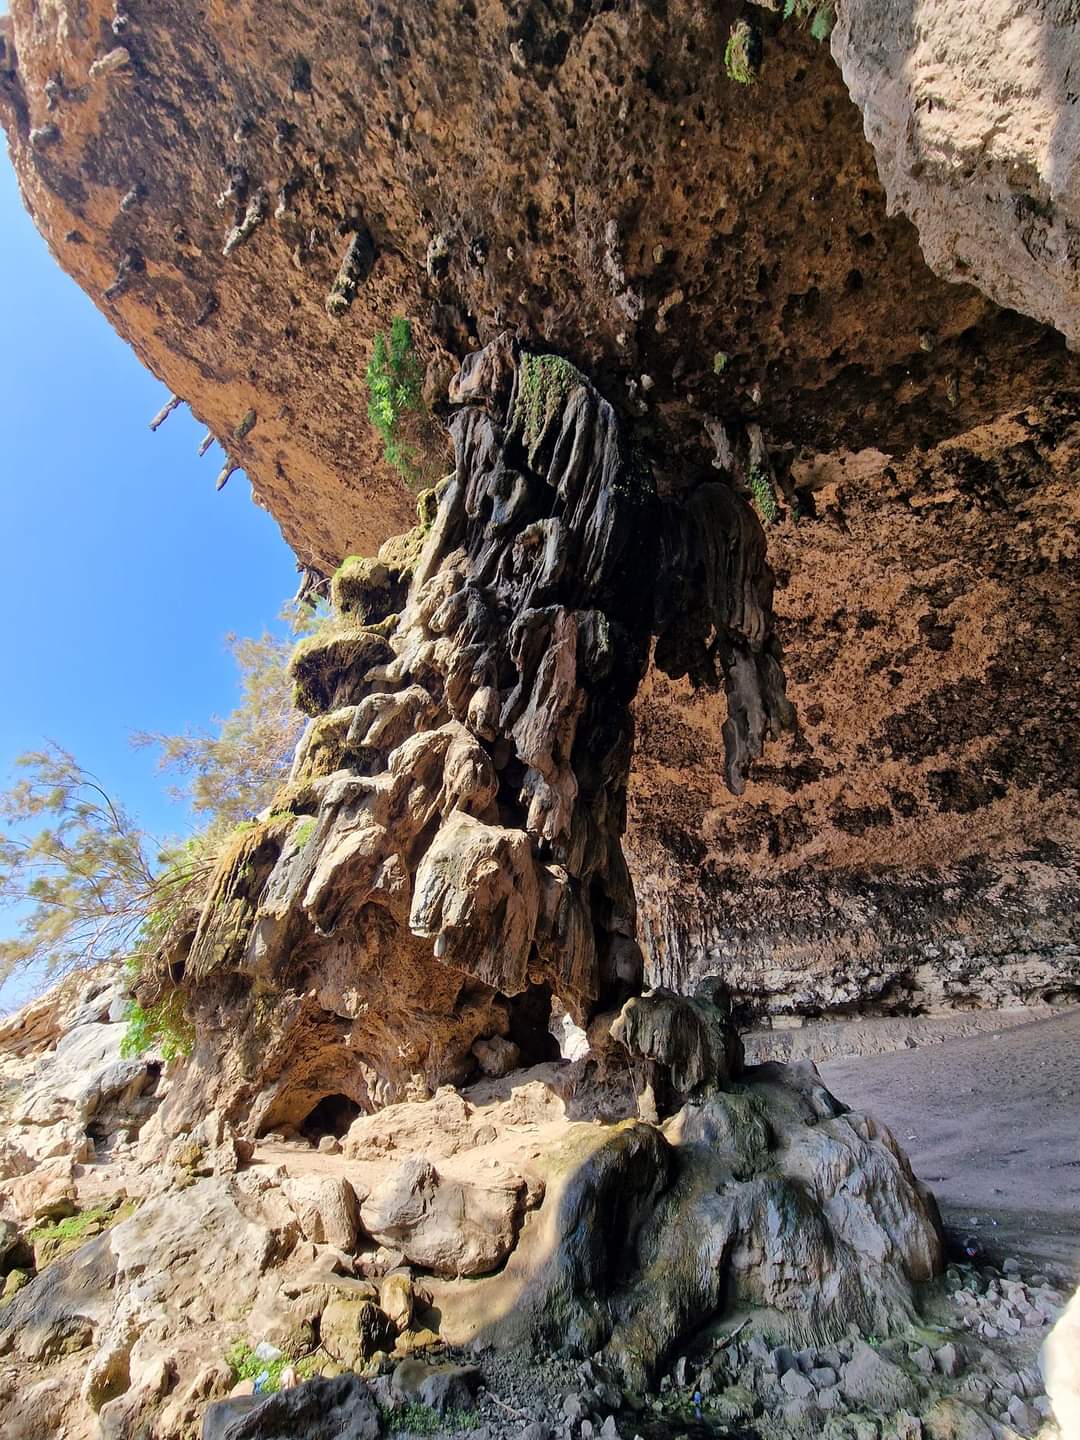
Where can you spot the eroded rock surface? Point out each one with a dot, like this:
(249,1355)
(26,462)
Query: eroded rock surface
(972,115)
(447,855)
(248,199)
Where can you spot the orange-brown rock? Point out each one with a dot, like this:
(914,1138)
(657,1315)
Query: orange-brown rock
(914,842)
(256,189)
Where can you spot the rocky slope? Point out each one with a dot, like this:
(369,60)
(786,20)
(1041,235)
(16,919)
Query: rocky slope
(136,1296)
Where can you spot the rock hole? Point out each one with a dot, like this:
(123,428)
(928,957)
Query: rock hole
(331,1116)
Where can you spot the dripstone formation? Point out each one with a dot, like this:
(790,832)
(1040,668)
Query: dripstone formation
(446,861)
(444,874)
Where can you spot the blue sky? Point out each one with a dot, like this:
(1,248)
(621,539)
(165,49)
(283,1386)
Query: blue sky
(123,568)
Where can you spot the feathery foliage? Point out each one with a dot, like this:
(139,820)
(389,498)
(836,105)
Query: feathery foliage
(84,883)
(231,772)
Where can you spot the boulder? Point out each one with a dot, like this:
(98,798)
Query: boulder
(353,1329)
(497,1056)
(47,1193)
(952,1419)
(321,1409)
(871,1382)
(327,1210)
(445,1225)
(396,1299)
(443,1388)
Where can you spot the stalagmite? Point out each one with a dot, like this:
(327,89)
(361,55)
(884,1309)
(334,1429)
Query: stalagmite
(447,854)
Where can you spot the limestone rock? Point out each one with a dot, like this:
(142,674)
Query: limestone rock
(952,1419)
(352,1330)
(327,1209)
(981,171)
(445,1225)
(497,1056)
(396,1299)
(872,1382)
(444,1388)
(678,1046)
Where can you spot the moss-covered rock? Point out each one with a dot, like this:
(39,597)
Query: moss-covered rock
(328,670)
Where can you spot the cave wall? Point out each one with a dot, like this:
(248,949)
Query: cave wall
(914,842)
(714,256)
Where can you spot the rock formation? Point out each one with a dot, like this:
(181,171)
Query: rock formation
(980,155)
(446,857)
(380,963)
(724,262)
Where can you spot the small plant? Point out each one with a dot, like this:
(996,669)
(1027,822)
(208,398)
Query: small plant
(73,1227)
(761,492)
(423,1420)
(822,17)
(246,1365)
(163,1027)
(395,379)
(720,362)
(743,53)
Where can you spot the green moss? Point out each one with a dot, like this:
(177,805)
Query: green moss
(58,1237)
(743,53)
(543,384)
(720,362)
(321,662)
(418,1419)
(303,832)
(164,1026)
(761,492)
(355,580)
(822,17)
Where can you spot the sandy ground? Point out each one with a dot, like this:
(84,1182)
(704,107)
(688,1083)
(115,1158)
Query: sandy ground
(992,1125)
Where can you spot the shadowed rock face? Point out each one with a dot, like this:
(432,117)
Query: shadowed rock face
(913,843)
(451,838)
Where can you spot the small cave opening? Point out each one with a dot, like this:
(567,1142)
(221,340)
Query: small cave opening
(331,1116)
(530,1021)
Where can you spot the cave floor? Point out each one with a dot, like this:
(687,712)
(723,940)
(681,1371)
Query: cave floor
(992,1125)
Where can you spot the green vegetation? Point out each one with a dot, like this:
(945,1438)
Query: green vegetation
(246,1365)
(764,499)
(822,16)
(720,362)
(543,384)
(54,1238)
(320,662)
(743,53)
(423,1420)
(395,379)
(233,770)
(86,887)
(164,1026)
(304,832)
